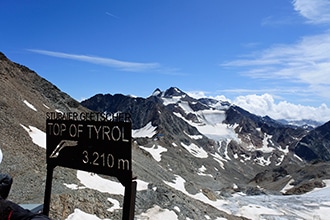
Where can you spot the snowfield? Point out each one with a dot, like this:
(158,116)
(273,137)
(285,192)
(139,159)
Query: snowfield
(310,206)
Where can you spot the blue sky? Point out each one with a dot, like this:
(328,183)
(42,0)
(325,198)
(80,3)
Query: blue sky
(264,55)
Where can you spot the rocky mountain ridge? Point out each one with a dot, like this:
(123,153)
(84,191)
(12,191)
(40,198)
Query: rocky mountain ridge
(226,131)
(254,133)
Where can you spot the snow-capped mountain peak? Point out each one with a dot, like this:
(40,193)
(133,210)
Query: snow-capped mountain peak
(156,92)
(173,92)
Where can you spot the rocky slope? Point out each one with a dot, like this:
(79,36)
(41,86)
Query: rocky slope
(25,98)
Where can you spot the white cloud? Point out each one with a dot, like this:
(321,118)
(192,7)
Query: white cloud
(203,94)
(308,57)
(121,65)
(265,105)
(305,63)
(112,15)
(315,11)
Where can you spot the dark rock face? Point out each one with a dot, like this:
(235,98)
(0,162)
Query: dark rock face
(282,135)
(271,176)
(315,145)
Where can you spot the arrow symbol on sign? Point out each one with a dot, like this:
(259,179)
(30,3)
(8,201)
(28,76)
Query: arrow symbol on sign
(61,145)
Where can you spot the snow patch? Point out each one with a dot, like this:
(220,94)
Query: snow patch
(280,160)
(1,155)
(156,93)
(201,171)
(212,127)
(155,151)
(286,150)
(178,184)
(177,209)
(262,161)
(194,137)
(157,213)
(195,150)
(46,106)
(74,186)
(94,181)
(80,215)
(287,186)
(147,131)
(38,136)
(185,106)
(29,105)
(265,148)
(219,159)
(173,99)
(115,206)
(141,185)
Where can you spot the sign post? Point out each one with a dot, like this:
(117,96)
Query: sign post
(92,142)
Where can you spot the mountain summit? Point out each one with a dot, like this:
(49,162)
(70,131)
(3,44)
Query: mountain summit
(173,92)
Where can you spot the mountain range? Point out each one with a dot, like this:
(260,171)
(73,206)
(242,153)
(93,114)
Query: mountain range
(191,156)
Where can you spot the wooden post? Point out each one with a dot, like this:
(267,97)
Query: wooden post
(129,201)
(132,202)
(48,190)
